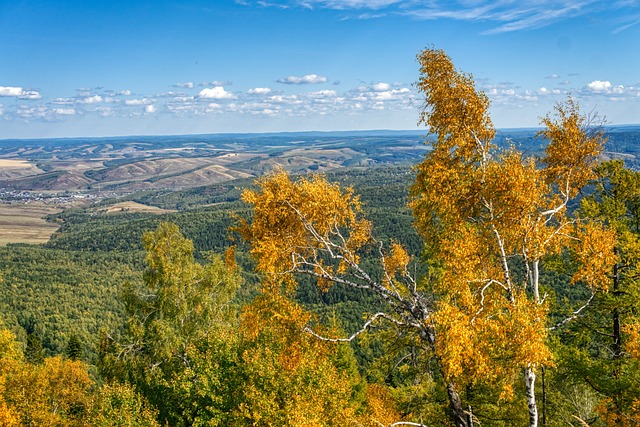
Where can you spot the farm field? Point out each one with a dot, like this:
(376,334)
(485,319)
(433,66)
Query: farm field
(25,223)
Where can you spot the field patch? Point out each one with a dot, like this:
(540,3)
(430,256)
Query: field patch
(13,168)
(25,223)
(135,207)
(12,163)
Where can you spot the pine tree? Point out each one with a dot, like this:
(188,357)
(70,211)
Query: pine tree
(74,348)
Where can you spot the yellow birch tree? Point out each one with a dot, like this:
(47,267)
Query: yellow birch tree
(483,211)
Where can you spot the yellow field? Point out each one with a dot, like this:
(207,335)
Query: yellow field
(135,207)
(11,163)
(25,223)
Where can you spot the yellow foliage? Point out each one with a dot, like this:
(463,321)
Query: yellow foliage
(230,258)
(595,253)
(479,209)
(380,407)
(572,152)
(613,418)
(289,378)
(292,219)
(56,393)
(632,342)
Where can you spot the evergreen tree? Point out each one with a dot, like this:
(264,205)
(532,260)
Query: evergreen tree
(74,348)
(34,353)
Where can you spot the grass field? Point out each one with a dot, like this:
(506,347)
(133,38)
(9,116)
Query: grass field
(24,223)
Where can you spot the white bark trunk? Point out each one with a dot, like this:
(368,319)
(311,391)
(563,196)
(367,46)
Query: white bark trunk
(535,280)
(530,384)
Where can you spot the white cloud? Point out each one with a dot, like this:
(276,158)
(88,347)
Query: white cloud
(599,86)
(307,79)
(507,15)
(90,99)
(183,98)
(10,91)
(125,92)
(217,92)
(30,94)
(323,94)
(64,111)
(143,101)
(381,87)
(19,92)
(64,101)
(606,88)
(150,109)
(259,91)
(331,4)
(216,83)
(186,85)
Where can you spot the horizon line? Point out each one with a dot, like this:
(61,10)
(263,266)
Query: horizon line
(222,134)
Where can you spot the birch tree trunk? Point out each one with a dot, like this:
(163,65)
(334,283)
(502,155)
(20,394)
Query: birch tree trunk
(530,383)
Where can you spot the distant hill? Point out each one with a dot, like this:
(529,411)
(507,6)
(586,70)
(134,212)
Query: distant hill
(134,163)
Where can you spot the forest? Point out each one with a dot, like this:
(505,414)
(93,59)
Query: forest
(485,286)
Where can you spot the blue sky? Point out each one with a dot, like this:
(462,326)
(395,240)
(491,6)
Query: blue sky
(89,68)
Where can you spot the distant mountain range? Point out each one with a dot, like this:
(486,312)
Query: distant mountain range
(133,163)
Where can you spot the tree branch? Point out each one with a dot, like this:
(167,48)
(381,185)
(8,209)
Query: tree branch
(366,326)
(575,314)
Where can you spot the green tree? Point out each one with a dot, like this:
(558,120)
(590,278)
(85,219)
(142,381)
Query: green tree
(118,405)
(600,348)
(74,348)
(34,351)
(181,305)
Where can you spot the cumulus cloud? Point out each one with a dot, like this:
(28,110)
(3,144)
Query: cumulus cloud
(10,91)
(381,87)
(90,99)
(64,101)
(322,94)
(307,79)
(185,85)
(546,91)
(599,86)
(64,111)
(143,101)
(259,91)
(217,92)
(19,92)
(264,101)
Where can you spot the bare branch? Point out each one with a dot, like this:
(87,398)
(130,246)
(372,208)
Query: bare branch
(489,283)
(366,326)
(575,314)
(406,423)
